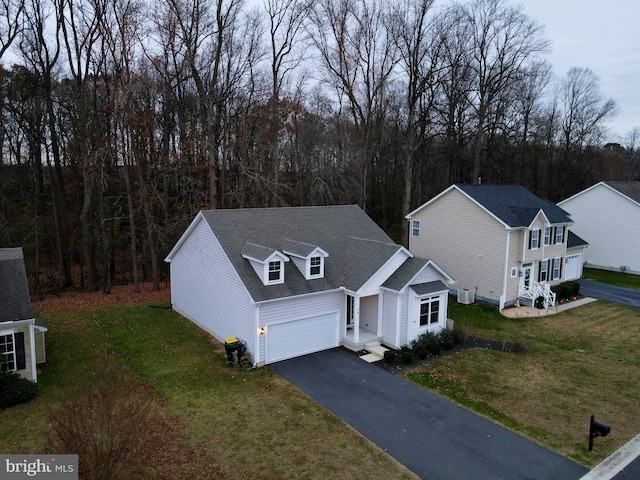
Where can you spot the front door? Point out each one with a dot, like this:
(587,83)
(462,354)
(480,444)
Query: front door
(350,310)
(527,276)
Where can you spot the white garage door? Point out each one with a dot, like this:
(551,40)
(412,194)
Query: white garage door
(572,271)
(299,337)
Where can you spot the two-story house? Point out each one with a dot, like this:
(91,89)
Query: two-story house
(502,243)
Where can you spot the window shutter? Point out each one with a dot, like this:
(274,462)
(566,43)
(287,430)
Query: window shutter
(20,355)
(563,230)
(552,240)
(560,260)
(530,235)
(539,269)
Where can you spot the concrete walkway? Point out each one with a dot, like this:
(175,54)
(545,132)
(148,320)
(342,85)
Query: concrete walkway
(520,312)
(430,435)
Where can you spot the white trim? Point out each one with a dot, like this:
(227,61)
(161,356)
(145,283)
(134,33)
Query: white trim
(506,267)
(194,223)
(32,341)
(603,183)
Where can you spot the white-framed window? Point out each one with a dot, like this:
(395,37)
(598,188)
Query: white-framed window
(275,270)
(556,271)
(534,239)
(559,235)
(547,235)
(429,311)
(415,228)
(543,275)
(514,272)
(315,266)
(7,351)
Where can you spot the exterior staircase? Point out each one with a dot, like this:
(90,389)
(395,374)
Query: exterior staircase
(537,290)
(376,352)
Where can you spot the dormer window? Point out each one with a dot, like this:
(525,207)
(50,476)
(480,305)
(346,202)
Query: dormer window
(274,271)
(307,257)
(268,263)
(315,266)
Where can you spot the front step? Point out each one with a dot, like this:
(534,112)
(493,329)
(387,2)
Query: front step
(377,352)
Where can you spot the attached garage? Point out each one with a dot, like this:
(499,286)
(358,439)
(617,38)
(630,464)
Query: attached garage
(300,337)
(573,268)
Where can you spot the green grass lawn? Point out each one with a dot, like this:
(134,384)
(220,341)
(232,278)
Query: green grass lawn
(252,424)
(577,363)
(618,279)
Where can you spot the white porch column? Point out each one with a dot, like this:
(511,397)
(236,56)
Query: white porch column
(356,319)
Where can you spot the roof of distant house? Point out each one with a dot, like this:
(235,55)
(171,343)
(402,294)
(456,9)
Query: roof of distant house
(15,302)
(514,205)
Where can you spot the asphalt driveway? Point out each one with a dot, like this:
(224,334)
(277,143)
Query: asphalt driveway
(610,293)
(430,435)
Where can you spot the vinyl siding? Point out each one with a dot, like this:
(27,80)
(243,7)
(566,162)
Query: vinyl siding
(41,351)
(206,289)
(610,224)
(369,313)
(296,308)
(465,241)
(389,316)
(404,312)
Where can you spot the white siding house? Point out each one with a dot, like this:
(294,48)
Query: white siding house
(608,215)
(292,281)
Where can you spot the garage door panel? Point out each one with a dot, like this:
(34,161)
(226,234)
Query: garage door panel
(300,337)
(572,271)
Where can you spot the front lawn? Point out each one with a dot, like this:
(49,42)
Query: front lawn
(618,279)
(222,422)
(579,362)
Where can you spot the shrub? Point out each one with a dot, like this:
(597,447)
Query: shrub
(407,356)
(446,339)
(389,356)
(15,390)
(458,336)
(430,342)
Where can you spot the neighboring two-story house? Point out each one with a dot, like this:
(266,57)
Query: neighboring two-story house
(502,243)
(292,281)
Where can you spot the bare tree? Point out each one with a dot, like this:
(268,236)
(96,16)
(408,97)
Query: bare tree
(286,34)
(503,40)
(358,57)
(11,22)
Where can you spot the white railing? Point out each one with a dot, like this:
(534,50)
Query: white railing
(537,290)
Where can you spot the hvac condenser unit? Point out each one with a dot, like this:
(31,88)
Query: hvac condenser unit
(465,296)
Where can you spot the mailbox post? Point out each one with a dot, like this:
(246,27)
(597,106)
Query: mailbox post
(597,429)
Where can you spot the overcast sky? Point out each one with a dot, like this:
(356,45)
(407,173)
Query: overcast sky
(603,35)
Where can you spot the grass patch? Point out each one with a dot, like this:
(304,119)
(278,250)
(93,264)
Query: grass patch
(252,424)
(619,279)
(580,362)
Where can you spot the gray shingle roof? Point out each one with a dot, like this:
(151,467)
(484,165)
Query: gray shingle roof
(15,302)
(257,252)
(300,249)
(429,287)
(357,247)
(514,205)
(403,275)
(630,189)
(574,240)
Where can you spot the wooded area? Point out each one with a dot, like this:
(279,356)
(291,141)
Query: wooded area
(122,118)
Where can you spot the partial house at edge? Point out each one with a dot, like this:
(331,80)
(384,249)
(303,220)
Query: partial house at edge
(608,215)
(22,336)
(292,281)
(501,243)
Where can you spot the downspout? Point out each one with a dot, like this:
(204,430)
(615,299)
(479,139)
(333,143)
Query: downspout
(32,342)
(506,271)
(257,330)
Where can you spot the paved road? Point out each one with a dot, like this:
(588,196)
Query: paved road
(623,296)
(430,435)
